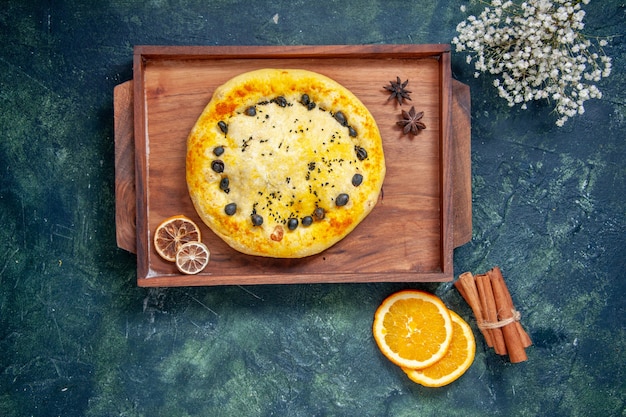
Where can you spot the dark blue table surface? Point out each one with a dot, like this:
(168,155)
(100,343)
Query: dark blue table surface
(79,338)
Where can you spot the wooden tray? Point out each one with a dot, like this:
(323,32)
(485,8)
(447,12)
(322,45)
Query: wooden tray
(425,211)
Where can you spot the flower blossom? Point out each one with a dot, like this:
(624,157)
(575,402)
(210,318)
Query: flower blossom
(537,51)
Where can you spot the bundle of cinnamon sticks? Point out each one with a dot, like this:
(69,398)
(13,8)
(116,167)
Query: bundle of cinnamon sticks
(497,319)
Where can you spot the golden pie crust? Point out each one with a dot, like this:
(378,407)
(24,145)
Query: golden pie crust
(284,163)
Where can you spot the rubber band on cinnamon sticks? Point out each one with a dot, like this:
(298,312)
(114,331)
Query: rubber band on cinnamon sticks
(496,317)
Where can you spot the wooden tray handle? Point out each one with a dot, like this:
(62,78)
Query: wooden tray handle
(125,197)
(461,164)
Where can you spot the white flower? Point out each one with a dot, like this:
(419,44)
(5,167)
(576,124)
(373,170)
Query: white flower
(536,51)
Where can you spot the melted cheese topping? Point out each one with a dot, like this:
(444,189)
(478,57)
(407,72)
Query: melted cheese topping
(298,160)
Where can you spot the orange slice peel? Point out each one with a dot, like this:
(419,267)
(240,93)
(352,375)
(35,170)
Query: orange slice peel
(413,329)
(456,361)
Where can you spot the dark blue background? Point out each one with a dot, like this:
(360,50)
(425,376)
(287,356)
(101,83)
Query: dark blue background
(77,337)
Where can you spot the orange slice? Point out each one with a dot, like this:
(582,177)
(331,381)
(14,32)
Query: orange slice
(192,257)
(456,361)
(413,328)
(172,233)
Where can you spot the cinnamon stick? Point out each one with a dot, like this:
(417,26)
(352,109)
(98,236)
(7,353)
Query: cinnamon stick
(466,285)
(490,311)
(526,340)
(506,312)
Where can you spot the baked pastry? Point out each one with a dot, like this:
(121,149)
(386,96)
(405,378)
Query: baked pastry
(284,163)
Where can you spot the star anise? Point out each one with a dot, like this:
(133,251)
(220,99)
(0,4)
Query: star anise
(411,121)
(398,90)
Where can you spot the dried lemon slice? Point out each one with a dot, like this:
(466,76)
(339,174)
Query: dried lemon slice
(192,257)
(172,233)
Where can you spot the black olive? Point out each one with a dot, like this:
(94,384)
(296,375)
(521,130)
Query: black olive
(311,105)
(230,209)
(281,101)
(360,153)
(341,118)
(223,126)
(307,221)
(292,224)
(357,179)
(218,150)
(305,99)
(351,131)
(257,220)
(342,199)
(251,111)
(319,213)
(217,166)
(224,183)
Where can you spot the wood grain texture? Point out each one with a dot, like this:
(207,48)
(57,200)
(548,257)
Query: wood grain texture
(462,163)
(125,195)
(445,165)
(410,234)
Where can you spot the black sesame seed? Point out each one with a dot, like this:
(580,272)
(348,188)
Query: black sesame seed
(342,199)
(218,150)
(357,179)
(307,221)
(257,220)
(292,224)
(217,166)
(251,111)
(352,131)
(311,105)
(319,213)
(361,153)
(223,126)
(305,99)
(230,209)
